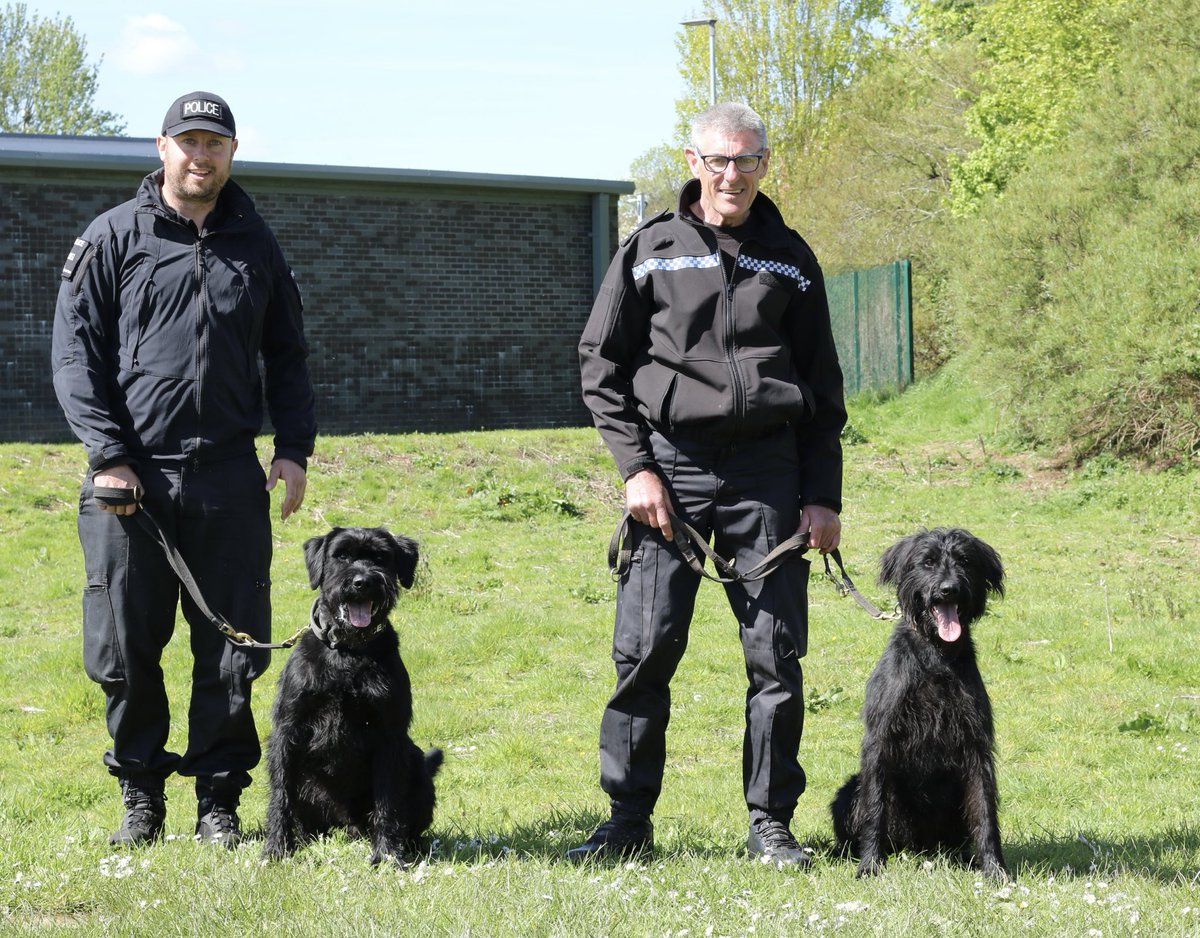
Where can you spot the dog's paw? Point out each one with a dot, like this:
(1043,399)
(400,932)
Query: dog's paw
(273,852)
(396,858)
(869,866)
(994,867)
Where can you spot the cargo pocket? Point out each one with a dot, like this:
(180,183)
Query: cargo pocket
(245,662)
(795,620)
(102,658)
(628,636)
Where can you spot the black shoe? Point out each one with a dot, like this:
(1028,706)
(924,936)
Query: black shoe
(219,824)
(145,813)
(770,841)
(623,835)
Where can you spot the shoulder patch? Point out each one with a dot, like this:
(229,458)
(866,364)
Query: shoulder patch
(78,251)
(652,220)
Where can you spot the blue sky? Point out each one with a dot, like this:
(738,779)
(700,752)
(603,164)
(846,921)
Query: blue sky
(541,88)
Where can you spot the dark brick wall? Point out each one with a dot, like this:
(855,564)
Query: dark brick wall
(428,308)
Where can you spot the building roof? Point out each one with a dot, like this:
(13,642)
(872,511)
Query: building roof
(140,154)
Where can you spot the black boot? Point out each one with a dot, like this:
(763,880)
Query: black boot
(625,834)
(216,810)
(145,812)
(771,841)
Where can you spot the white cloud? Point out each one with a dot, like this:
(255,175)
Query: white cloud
(152,45)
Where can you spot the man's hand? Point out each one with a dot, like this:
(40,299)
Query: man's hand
(824,527)
(647,501)
(117,477)
(294,483)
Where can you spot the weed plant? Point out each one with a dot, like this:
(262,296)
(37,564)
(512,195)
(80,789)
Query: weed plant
(1090,660)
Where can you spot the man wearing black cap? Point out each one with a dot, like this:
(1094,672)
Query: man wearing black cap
(166,305)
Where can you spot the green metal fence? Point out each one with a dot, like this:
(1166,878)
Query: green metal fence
(871,312)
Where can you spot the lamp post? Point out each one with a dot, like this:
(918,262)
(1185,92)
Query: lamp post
(711,23)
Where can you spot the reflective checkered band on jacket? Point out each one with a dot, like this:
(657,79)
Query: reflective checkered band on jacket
(775,267)
(714,260)
(675,263)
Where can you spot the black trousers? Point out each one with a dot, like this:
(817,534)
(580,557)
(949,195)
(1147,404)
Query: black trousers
(746,496)
(218,515)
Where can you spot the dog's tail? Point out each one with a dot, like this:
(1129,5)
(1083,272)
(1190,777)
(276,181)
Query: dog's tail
(433,761)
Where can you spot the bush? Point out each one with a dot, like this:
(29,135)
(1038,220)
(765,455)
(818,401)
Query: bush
(1077,293)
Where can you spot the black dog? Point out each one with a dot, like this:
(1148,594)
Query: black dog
(927,779)
(339,755)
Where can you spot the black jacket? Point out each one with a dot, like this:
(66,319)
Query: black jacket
(158,330)
(673,345)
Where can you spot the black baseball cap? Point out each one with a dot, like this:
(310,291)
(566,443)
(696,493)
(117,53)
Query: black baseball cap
(199,110)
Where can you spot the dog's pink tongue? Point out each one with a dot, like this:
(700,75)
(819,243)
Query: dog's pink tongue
(949,628)
(360,614)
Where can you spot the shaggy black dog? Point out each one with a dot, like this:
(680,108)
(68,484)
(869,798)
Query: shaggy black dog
(927,779)
(339,754)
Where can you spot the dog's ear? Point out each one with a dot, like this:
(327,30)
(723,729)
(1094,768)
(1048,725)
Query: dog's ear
(896,559)
(404,559)
(987,561)
(314,557)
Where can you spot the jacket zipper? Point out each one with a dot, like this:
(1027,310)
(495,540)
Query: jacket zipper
(739,391)
(201,332)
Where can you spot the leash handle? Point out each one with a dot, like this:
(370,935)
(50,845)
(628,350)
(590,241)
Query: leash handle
(115,496)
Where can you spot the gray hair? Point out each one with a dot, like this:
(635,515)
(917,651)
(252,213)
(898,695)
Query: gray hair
(729,119)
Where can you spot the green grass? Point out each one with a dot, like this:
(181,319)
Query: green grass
(1090,660)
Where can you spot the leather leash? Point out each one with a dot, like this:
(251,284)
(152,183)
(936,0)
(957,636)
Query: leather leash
(111,495)
(687,539)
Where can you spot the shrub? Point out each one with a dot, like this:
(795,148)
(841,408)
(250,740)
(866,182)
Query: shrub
(1077,293)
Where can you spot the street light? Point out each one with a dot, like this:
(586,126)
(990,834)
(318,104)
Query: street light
(711,23)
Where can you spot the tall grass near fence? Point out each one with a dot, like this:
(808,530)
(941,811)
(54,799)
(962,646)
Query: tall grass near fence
(1090,659)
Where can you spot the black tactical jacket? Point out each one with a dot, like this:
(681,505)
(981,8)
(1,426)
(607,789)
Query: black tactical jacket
(159,328)
(674,344)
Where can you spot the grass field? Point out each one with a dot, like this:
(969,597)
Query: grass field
(1091,661)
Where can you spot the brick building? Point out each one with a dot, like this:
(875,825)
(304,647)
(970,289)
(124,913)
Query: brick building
(434,301)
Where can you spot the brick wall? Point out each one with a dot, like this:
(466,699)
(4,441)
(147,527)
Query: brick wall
(428,307)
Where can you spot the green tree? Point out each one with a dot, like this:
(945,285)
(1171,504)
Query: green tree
(879,186)
(1041,58)
(46,83)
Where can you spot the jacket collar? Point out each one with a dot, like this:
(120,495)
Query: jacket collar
(233,204)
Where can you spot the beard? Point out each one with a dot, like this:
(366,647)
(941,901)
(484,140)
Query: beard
(187,188)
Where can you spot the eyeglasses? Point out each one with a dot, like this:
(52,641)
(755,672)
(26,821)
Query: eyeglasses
(747,163)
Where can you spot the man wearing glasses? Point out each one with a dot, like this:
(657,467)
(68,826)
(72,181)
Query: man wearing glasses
(709,367)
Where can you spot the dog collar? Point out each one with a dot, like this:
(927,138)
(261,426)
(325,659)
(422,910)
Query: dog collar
(322,633)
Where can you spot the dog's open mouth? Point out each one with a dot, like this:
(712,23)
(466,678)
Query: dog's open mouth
(358,615)
(948,625)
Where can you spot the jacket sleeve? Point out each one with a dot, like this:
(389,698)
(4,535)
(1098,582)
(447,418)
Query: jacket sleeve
(819,441)
(616,332)
(288,387)
(84,344)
